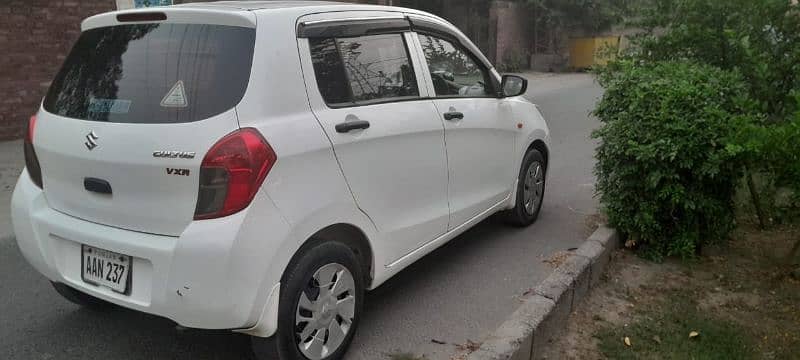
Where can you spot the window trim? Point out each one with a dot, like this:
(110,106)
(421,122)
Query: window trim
(353,27)
(427,25)
(459,46)
(377,102)
(361,103)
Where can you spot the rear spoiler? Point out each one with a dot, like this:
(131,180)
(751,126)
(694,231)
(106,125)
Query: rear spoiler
(172,15)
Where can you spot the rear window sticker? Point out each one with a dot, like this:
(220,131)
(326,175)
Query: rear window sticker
(113,106)
(176,97)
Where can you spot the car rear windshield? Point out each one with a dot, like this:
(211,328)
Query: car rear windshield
(153,73)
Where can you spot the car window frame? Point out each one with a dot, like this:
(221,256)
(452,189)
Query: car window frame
(417,24)
(414,74)
(456,43)
(349,28)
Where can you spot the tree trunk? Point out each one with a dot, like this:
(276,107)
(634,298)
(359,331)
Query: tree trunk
(751,185)
(794,255)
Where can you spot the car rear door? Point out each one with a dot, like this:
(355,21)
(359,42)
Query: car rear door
(127,120)
(388,139)
(479,129)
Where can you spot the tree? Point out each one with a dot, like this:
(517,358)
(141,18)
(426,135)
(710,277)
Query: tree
(590,16)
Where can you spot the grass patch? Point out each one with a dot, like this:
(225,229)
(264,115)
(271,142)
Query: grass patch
(662,332)
(739,297)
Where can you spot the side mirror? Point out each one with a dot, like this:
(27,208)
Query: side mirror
(513,85)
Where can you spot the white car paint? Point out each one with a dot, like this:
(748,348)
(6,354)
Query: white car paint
(432,181)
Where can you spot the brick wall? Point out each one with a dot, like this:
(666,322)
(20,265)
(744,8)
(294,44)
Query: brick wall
(35,36)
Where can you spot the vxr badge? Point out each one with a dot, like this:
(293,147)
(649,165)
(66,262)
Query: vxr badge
(91,140)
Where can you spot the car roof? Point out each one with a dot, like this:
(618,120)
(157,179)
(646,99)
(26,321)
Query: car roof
(266,5)
(240,13)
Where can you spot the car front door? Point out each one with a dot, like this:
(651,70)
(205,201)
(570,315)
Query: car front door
(387,136)
(479,129)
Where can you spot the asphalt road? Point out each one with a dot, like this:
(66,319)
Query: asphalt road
(457,294)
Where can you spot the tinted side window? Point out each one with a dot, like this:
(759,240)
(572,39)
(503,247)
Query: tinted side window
(364,69)
(453,71)
(329,70)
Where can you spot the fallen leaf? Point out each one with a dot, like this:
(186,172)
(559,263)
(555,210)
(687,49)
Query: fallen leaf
(627,341)
(694,334)
(556,259)
(440,342)
(469,346)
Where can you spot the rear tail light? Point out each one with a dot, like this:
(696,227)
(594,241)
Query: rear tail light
(232,172)
(31,161)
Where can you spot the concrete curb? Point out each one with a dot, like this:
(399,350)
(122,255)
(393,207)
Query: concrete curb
(543,315)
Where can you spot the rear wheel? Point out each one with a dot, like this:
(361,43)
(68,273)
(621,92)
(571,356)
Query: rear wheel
(530,190)
(82,299)
(320,305)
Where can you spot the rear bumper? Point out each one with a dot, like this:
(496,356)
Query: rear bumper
(213,276)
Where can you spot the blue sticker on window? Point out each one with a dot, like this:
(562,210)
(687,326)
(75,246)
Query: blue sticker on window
(150,3)
(112,106)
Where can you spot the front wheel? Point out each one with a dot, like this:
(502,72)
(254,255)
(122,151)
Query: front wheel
(320,305)
(530,190)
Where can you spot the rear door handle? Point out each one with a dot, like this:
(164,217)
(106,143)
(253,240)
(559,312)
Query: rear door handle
(349,126)
(453,115)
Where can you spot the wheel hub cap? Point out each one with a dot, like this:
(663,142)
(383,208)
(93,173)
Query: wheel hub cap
(325,311)
(533,187)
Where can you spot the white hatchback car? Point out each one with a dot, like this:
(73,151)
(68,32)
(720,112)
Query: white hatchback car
(256,166)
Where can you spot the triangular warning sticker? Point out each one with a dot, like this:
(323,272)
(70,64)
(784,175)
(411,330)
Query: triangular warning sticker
(176,97)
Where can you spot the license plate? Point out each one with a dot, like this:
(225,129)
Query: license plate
(106,268)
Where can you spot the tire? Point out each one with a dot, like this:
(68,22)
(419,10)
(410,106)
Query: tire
(82,299)
(327,324)
(524,213)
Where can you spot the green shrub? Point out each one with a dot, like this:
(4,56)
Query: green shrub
(774,152)
(758,38)
(666,168)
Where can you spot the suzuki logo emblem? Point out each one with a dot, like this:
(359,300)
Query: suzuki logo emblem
(91,140)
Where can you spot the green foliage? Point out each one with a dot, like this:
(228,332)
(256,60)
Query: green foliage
(758,38)
(775,151)
(741,112)
(666,168)
(591,16)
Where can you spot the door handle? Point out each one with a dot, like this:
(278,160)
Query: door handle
(453,115)
(349,126)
